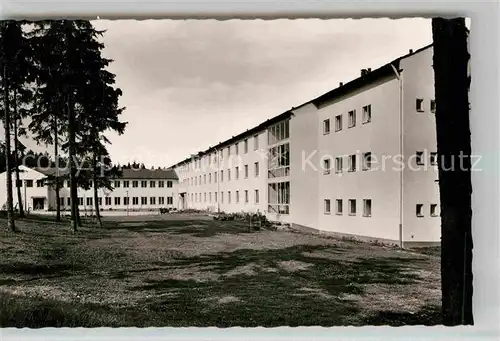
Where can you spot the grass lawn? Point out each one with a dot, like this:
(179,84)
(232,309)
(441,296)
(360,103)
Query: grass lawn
(190,271)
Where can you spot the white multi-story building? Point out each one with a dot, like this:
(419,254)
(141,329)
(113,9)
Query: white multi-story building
(359,160)
(136,190)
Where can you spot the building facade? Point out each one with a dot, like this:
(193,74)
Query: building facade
(359,160)
(136,190)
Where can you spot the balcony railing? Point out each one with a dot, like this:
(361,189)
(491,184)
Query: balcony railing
(278,172)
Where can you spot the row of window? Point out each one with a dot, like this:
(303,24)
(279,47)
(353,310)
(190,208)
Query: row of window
(29,183)
(144,183)
(419,103)
(433,210)
(206,197)
(117,183)
(367,162)
(351,116)
(117,201)
(202,179)
(351,160)
(352,210)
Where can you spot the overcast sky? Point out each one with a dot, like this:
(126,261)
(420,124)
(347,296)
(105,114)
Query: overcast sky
(188,84)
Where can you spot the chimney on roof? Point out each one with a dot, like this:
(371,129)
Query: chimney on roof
(411,51)
(363,72)
(340,84)
(369,70)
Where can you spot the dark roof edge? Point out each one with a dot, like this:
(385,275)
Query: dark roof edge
(238,137)
(353,85)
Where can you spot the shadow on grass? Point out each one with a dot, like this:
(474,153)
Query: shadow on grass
(266,293)
(196,228)
(429,315)
(38,270)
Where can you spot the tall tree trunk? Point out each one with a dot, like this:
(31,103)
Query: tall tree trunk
(56,157)
(8,162)
(94,178)
(16,158)
(454,149)
(72,168)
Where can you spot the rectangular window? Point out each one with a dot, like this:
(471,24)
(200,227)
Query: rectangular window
(117,200)
(420,104)
(144,200)
(339,207)
(152,201)
(367,113)
(152,184)
(144,184)
(135,183)
(246,171)
(125,183)
(245,146)
(61,201)
(161,183)
(338,122)
(99,201)
(326,126)
(107,201)
(246,197)
(221,197)
(367,207)
(69,201)
(236,147)
(434,210)
(221,175)
(256,196)
(135,200)
(433,105)
(228,151)
(89,201)
(237,172)
(352,206)
(367,161)
(80,201)
(205,197)
(327,206)
(209,178)
(229,175)
(215,176)
(29,183)
(279,197)
(170,200)
(117,183)
(126,201)
(228,197)
(433,158)
(352,118)
(326,166)
(204,179)
(419,210)
(210,197)
(215,196)
(256,169)
(256,142)
(278,132)
(420,158)
(161,200)
(279,161)
(352,163)
(339,165)
(237,197)
(39,183)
